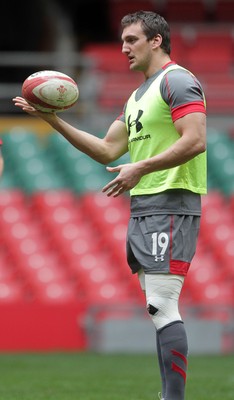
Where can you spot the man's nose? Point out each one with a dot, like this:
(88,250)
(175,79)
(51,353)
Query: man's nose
(125,48)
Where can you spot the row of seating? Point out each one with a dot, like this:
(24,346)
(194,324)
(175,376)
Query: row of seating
(214,260)
(32,165)
(53,163)
(189,45)
(174,10)
(57,246)
(54,252)
(192,47)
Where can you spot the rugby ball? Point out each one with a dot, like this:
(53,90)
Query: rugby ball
(50,91)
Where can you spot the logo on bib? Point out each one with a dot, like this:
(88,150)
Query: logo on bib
(136,122)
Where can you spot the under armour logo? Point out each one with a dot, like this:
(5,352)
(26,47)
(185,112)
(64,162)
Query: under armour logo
(159,258)
(136,122)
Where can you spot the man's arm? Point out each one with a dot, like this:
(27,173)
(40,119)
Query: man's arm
(105,150)
(192,141)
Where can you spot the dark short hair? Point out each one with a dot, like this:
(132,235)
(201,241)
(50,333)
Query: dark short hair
(152,25)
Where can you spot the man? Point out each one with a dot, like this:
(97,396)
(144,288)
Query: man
(163,126)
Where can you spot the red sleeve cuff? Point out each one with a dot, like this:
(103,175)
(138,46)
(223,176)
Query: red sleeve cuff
(181,111)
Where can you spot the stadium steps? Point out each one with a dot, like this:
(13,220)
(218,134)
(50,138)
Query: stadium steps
(58,254)
(70,233)
(35,165)
(60,247)
(32,164)
(27,246)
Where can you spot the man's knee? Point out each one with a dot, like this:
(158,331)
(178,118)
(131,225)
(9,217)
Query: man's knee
(162,295)
(163,310)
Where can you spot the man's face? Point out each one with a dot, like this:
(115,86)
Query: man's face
(136,47)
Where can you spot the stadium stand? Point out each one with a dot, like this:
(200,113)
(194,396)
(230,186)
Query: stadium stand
(223,11)
(83,173)
(193,46)
(118,8)
(66,245)
(63,242)
(198,13)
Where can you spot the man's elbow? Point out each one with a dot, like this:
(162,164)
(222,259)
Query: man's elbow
(199,148)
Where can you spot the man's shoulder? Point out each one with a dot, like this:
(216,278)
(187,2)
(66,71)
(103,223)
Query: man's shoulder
(179,73)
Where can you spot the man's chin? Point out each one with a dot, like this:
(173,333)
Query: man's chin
(133,67)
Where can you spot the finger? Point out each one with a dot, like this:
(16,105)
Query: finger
(119,192)
(113,192)
(110,185)
(111,189)
(20,103)
(18,98)
(113,169)
(25,107)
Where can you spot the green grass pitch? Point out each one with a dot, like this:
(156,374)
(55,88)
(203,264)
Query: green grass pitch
(89,376)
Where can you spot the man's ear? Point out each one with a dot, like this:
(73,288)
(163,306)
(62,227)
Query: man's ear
(156,41)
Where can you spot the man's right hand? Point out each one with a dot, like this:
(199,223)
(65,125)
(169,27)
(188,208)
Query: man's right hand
(25,106)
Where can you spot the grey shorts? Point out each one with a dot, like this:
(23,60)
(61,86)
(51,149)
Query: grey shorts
(162,243)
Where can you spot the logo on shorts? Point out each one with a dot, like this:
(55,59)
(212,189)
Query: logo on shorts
(159,258)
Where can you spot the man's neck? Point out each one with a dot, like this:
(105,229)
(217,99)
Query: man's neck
(157,65)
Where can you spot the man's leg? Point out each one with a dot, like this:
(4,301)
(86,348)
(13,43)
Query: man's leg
(174,348)
(161,367)
(162,294)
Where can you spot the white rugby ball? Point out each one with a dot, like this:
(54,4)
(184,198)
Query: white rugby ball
(50,91)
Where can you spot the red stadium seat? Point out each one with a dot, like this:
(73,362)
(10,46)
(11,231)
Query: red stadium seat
(224,11)
(55,293)
(107,57)
(177,47)
(208,288)
(11,292)
(185,11)
(61,217)
(108,293)
(200,60)
(7,268)
(12,197)
(48,200)
(232,204)
(116,89)
(213,198)
(105,209)
(119,8)
(89,262)
(217,231)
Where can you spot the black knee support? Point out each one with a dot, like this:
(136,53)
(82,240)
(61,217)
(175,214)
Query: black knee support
(151,309)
